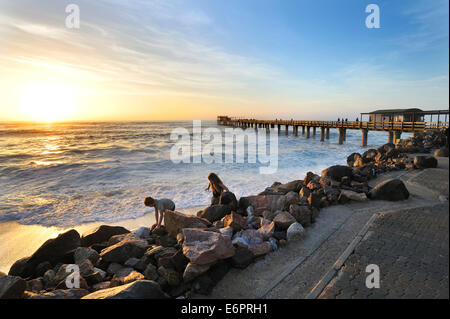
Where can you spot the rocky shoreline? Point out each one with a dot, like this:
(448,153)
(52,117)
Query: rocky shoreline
(192,253)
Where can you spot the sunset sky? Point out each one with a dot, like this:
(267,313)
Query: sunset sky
(196,59)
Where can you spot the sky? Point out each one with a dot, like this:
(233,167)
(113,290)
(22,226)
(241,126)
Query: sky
(196,59)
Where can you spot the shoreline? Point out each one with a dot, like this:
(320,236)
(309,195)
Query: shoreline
(19,235)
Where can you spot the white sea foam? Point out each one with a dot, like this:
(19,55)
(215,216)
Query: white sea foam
(66,175)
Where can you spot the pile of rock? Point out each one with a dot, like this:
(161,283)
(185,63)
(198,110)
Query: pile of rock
(424,142)
(192,253)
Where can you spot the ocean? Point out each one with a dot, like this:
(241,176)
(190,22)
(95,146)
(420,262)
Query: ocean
(72,174)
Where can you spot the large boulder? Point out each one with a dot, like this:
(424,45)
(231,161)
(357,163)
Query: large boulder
(125,276)
(302,214)
(242,257)
(204,247)
(141,289)
(284,220)
(62,294)
(351,195)
(337,172)
(175,222)
(124,250)
(391,190)
(262,203)
(293,186)
(53,250)
(12,287)
(425,162)
(101,234)
(260,249)
(442,152)
(235,221)
(215,212)
(228,198)
(83,253)
(296,232)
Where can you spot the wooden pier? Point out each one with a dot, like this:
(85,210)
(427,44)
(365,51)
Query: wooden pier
(394,128)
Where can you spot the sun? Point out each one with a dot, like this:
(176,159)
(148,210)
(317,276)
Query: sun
(48,102)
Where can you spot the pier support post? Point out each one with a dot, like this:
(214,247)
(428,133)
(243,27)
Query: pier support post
(303,130)
(364,137)
(391,137)
(279,128)
(397,136)
(314,131)
(345,134)
(286,129)
(308,132)
(295,130)
(322,134)
(327,134)
(341,135)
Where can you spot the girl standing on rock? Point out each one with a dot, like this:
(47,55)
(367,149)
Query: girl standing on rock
(217,187)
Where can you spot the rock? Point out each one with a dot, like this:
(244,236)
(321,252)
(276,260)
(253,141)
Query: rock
(337,172)
(279,235)
(267,230)
(18,268)
(118,238)
(42,268)
(314,200)
(425,162)
(12,287)
(302,214)
(86,268)
(352,158)
(293,186)
(242,257)
(235,221)
(62,294)
(282,242)
(166,241)
(305,192)
(62,285)
(227,231)
(175,222)
(193,271)
(215,212)
(2,274)
(125,276)
(101,285)
(260,249)
(101,234)
(261,203)
(35,285)
(94,278)
(296,232)
(151,272)
(203,247)
(359,197)
(290,198)
(132,262)
(442,152)
(369,155)
(251,236)
(113,268)
(83,253)
(142,232)
(124,250)
(141,289)
(53,251)
(172,277)
(284,220)
(49,277)
(228,198)
(391,190)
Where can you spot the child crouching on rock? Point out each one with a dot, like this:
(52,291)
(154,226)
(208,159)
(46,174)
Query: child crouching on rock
(160,206)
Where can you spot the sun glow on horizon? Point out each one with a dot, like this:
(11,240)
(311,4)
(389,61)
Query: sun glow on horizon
(48,102)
